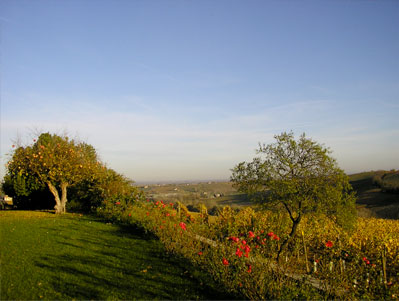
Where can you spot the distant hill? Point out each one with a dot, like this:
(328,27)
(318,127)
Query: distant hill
(211,193)
(377,193)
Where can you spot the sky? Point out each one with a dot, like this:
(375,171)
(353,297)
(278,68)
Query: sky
(173,90)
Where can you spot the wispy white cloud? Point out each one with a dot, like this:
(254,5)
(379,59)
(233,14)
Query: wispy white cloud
(146,144)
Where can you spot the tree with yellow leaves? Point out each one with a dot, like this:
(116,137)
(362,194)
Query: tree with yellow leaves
(55,161)
(301,176)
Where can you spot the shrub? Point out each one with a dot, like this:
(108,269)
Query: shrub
(238,250)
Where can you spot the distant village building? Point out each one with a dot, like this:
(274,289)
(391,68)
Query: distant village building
(6,202)
(8,199)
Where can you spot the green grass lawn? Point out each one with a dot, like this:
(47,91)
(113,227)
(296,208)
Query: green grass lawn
(44,256)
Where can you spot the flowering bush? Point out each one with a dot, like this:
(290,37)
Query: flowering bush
(239,249)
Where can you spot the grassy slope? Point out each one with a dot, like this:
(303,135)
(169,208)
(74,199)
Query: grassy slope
(371,200)
(74,257)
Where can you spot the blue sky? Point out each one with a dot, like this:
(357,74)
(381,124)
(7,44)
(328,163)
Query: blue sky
(185,90)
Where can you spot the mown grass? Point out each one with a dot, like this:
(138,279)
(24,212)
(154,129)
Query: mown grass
(44,256)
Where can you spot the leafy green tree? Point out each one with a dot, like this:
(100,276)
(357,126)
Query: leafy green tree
(107,185)
(301,176)
(54,161)
(26,192)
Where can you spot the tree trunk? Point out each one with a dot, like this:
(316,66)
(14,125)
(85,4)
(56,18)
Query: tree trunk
(295,223)
(59,203)
(64,196)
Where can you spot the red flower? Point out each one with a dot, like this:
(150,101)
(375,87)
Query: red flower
(270,234)
(366,260)
(238,252)
(183,226)
(200,253)
(329,244)
(244,242)
(247,249)
(251,234)
(130,214)
(117,203)
(225,261)
(235,239)
(148,213)
(167,214)
(249,269)
(275,237)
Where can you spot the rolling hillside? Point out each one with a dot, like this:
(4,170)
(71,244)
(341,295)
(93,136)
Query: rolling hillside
(373,197)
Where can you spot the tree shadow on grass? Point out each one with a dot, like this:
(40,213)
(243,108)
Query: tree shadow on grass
(121,262)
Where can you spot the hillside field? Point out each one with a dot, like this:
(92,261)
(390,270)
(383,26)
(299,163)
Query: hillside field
(372,200)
